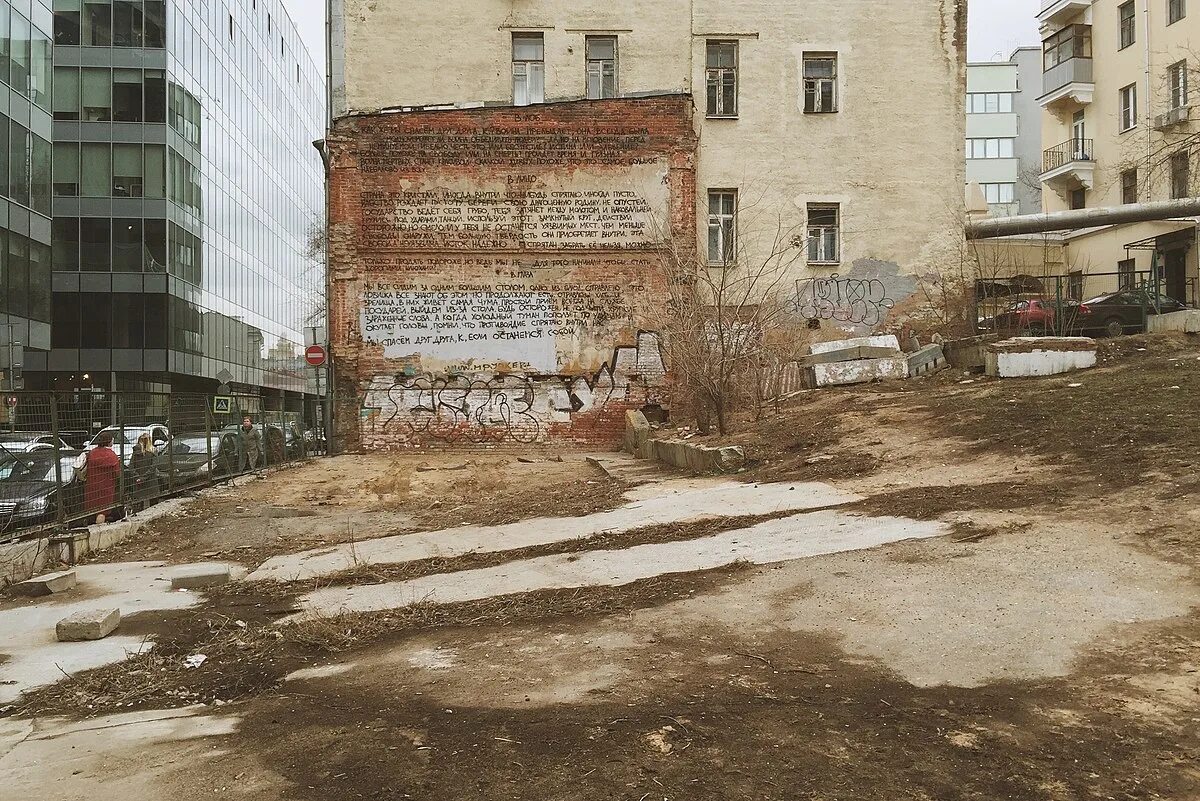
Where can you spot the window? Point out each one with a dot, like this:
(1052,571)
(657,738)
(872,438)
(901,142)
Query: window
(529,69)
(601,67)
(97,24)
(820,83)
(1176,10)
(127,95)
(41,159)
(1181,175)
(127,245)
(96,169)
(97,94)
(66,22)
(1075,285)
(722,215)
(1129,110)
(1074,41)
(40,68)
(18,163)
(127,177)
(1002,148)
(721,78)
(65,236)
(1126,17)
(155,20)
(128,27)
(999,193)
(19,57)
(1125,273)
(95,236)
(66,169)
(1177,78)
(1129,186)
(66,93)
(1078,199)
(989,103)
(824,233)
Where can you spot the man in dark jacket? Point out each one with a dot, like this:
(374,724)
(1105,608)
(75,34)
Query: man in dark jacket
(251,441)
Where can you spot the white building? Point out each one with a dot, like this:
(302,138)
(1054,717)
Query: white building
(1003,147)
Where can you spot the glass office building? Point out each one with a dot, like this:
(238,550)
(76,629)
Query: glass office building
(25,164)
(186,187)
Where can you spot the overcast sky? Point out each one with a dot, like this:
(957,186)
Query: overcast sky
(996,28)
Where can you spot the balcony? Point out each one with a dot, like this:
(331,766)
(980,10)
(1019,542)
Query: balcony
(1057,12)
(1067,85)
(1069,166)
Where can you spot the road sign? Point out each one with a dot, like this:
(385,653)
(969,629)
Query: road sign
(315,355)
(222,404)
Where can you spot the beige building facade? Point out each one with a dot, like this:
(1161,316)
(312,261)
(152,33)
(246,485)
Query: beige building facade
(1120,127)
(842,125)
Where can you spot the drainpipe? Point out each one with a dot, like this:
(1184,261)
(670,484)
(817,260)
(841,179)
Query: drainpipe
(1149,88)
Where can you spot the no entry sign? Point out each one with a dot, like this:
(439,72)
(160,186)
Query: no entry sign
(315,355)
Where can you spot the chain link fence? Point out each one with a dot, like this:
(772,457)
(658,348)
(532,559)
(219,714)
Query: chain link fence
(66,459)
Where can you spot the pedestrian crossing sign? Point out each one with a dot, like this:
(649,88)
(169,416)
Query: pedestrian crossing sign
(222,404)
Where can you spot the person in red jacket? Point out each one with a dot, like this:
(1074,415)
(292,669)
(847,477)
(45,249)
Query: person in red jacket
(102,471)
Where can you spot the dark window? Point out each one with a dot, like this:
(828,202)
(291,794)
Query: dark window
(1078,199)
(820,83)
(155,328)
(1075,285)
(1125,273)
(40,276)
(128,29)
(1074,41)
(18,164)
(128,320)
(66,243)
(1129,186)
(721,78)
(155,232)
(127,95)
(127,245)
(1176,10)
(41,159)
(1128,23)
(18,272)
(95,236)
(65,331)
(155,21)
(94,311)
(824,233)
(156,96)
(66,27)
(1181,175)
(97,24)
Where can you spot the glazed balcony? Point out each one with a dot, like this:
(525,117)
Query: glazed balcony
(1059,12)
(1068,85)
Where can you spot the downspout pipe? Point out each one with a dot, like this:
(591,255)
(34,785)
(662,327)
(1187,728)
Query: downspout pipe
(1082,218)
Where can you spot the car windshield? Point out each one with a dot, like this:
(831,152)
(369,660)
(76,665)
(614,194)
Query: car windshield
(195,445)
(35,468)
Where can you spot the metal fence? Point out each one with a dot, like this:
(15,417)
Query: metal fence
(1105,304)
(68,457)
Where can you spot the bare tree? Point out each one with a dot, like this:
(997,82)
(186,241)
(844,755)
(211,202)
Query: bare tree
(728,313)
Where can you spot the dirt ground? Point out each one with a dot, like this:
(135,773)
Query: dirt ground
(1048,647)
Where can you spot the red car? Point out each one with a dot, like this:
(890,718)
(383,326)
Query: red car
(1033,316)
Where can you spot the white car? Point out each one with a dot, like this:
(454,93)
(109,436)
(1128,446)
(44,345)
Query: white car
(30,441)
(125,439)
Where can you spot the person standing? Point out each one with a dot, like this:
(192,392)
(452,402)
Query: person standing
(142,467)
(101,472)
(251,441)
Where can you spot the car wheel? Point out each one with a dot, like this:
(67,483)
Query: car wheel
(1114,327)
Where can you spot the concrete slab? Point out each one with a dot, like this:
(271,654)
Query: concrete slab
(888,341)
(710,500)
(786,539)
(860,372)
(200,576)
(46,584)
(88,624)
(1024,357)
(35,657)
(1187,321)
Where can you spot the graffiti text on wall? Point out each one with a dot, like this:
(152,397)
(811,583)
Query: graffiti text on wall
(843,300)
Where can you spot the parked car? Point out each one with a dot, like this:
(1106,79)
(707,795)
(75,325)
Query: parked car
(1122,312)
(125,438)
(28,441)
(1025,316)
(30,489)
(196,459)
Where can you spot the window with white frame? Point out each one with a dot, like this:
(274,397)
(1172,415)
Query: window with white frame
(601,67)
(721,78)
(990,103)
(1129,109)
(1177,78)
(824,233)
(991,148)
(999,193)
(722,226)
(1127,20)
(1176,10)
(820,83)
(528,68)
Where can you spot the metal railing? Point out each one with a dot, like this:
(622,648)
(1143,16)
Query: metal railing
(1070,151)
(56,470)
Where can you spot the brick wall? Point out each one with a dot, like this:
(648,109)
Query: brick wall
(496,273)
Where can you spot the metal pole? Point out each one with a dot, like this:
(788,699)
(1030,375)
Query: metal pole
(208,436)
(1083,218)
(61,511)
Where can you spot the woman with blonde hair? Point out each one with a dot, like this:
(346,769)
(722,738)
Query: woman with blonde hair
(141,465)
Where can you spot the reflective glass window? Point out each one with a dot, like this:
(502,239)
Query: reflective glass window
(18,60)
(65,331)
(39,281)
(95,239)
(97,24)
(96,169)
(154,182)
(66,22)
(18,272)
(66,169)
(97,94)
(66,93)
(41,170)
(127,169)
(41,66)
(127,245)
(18,163)
(65,237)
(127,95)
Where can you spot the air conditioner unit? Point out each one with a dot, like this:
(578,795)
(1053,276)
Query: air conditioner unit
(1173,117)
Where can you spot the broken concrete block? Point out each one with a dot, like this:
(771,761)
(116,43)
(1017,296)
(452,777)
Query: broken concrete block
(637,432)
(199,577)
(926,360)
(46,584)
(860,372)
(91,624)
(1022,357)
(887,341)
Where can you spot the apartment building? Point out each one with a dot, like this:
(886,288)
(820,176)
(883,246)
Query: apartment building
(841,125)
(1004,140)
(185,189)
(25,165)
(1118,128)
